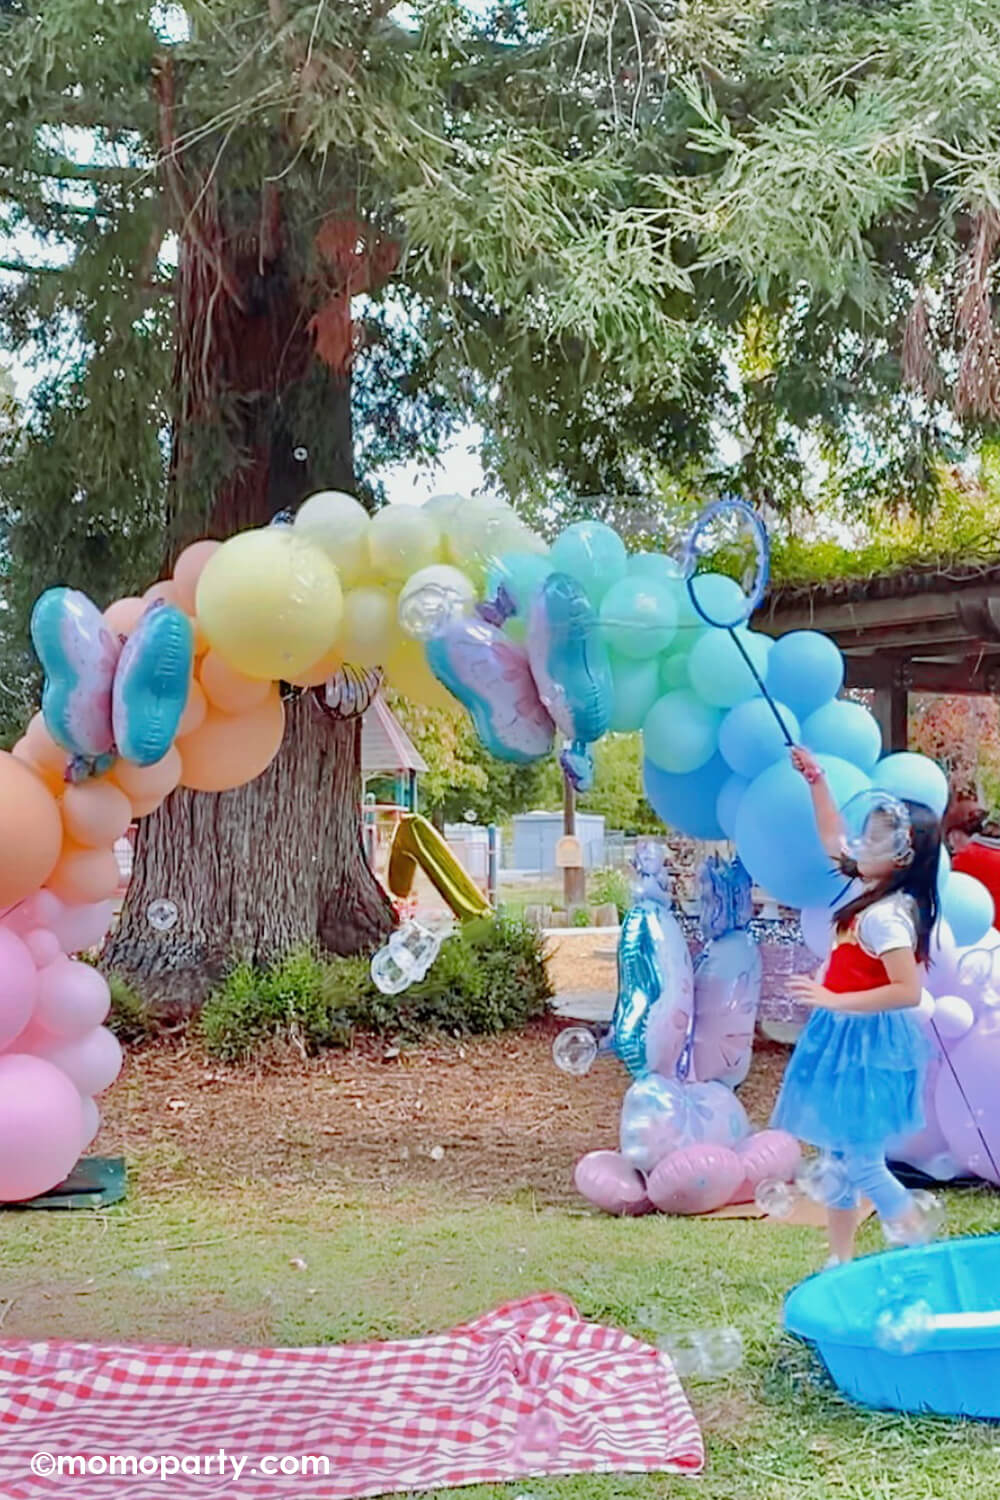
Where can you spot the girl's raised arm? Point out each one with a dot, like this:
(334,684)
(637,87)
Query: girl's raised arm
(829,823)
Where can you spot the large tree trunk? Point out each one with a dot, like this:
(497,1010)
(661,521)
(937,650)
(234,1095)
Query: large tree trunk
(256,871)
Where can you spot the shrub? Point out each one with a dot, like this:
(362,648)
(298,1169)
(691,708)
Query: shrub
(581,917)
(130,1018)
(611,887)
(488,977)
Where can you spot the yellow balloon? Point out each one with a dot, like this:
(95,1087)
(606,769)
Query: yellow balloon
(480,533)
(338,524)
(369,632)
(442,507)
(270,603)
(407,671)
(401,539)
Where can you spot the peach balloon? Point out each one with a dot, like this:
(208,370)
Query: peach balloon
(83,876)
(166,590)
(54,781)
(95,813)
(32,831)
(147,805)
(321,671)
(142,783)
(50,758)
(193,716)
(200,638)
(124,615)
(230,750)
(228,690)
(187,571)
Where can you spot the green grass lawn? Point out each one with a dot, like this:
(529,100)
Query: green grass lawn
(216,1266)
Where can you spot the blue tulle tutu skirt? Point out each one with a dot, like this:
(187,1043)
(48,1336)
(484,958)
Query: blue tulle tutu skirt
(854,1081)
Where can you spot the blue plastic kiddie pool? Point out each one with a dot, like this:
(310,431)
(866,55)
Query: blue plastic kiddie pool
(912,1330)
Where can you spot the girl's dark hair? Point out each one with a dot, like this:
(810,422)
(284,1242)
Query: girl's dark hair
(918,879)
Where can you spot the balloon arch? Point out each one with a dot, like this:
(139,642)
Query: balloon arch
(455,600)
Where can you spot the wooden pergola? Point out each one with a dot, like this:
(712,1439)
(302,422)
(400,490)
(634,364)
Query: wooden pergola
(921,630)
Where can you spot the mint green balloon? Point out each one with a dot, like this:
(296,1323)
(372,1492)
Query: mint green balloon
(522,575)
(681,732)
(655,565)
(638,617)
(718,672)
(593,554)
(674,671)
(637,687)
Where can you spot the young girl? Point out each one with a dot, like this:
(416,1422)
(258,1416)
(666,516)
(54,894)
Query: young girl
(856,1077)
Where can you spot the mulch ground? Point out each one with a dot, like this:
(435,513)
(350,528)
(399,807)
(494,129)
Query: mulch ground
(486,1117)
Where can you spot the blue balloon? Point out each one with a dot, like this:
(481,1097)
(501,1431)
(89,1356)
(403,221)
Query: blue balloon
(651,1025)
(687,803)
(776,834)
(591,553)
(805,670)
(913,778)
(967,907)
(569,660)
(639,617)
(718,670)
(655,565)
(637,687)
(727,806)
(680,733)
(750,738)
(846,729)
(152,684)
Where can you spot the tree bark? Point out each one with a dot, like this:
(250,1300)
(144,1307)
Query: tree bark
(259,870)
(255,872)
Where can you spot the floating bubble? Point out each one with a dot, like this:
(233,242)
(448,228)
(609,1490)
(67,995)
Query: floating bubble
(151,1271)
(436,1153)
(162,914)
(300,455)
(704,1354)
(775,1198)
(979,971)
(536,1438)
(824,1180)
(903,1326)
(574,1050)
(924,1221)
(426,612)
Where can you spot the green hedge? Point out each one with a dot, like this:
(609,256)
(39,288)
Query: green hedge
(488,977)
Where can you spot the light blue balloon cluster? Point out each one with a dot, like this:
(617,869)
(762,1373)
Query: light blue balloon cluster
(615,643)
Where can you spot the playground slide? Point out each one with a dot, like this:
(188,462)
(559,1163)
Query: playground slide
(417,844)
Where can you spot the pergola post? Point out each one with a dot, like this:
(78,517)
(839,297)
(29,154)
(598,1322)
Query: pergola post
(891,707)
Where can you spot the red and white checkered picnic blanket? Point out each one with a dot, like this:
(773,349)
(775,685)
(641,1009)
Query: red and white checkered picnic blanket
(528,1389)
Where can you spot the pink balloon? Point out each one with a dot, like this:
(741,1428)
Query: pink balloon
(607,1180)
(769,1154)
(73,998)
(18,986)
(35,1039)
(969,1116)
(43,946)
(92,1062)
(695,1180)
(79,928)
(91,1123)
(41,1123)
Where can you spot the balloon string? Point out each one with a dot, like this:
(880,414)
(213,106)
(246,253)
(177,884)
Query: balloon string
(760,683)
(965,1100)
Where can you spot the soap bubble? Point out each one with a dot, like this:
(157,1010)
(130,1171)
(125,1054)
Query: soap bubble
(427,611)
(162,914)
(704,1354)
(775,1198)
(436,1153)
(824,1180)
(151,1271)
(574,1050)
(406,958)
(904,1325)
(300,454)
(536,1438)
(924,1221)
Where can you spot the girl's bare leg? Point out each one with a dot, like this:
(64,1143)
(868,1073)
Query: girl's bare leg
(842,1226)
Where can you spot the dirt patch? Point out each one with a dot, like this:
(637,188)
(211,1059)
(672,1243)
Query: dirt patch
(489,1117)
